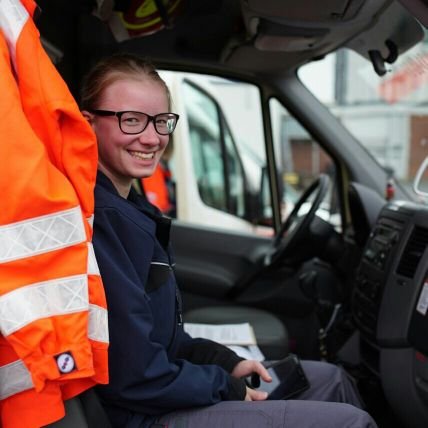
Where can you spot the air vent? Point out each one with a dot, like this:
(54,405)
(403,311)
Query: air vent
(413,252)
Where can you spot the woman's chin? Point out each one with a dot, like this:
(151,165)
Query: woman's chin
(143,172)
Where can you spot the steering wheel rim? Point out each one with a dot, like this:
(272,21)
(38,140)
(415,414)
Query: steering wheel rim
(287,235)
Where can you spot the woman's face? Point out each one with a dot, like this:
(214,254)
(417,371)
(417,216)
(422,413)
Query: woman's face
(123,157)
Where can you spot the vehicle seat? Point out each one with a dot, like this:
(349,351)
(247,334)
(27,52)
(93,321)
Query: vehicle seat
(83,411)
(270,332)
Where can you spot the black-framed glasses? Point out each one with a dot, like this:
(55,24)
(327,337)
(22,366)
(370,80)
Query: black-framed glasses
(134,122)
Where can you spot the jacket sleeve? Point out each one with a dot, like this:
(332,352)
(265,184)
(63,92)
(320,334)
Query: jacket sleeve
(204,351)
(43,256)
(142,377)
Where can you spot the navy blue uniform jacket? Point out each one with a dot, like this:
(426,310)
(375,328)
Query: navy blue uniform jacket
(155,367)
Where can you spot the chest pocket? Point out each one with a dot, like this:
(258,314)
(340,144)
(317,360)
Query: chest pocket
(158,275)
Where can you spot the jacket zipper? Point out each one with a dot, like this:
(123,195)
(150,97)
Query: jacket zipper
(178,316)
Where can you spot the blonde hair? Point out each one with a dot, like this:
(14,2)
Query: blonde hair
(111,69)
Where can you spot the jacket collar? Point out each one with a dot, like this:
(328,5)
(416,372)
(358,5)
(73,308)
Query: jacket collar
(142,204)
(139,200)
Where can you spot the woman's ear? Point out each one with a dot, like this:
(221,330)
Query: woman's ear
(88,116)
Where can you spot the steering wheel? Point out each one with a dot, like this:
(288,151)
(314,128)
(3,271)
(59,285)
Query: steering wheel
(296,227)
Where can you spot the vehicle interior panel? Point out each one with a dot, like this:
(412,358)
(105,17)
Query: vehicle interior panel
(389,307)
(391,273)
(222,261)
(217,33)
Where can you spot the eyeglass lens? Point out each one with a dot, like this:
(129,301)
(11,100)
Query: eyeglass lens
(135,122)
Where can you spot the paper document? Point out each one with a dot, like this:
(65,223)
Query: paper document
(227,334)
(251,352)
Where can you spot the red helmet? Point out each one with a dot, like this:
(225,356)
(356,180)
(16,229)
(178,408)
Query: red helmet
(144,17)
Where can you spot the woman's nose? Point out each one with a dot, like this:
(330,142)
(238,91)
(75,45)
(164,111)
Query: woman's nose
(149,135)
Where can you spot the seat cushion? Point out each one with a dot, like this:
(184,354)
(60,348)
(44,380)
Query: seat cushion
(270,332)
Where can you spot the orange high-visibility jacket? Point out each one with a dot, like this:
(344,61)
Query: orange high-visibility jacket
(156,189)
(53,318)
(71,144)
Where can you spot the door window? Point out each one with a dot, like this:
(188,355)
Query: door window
(300,160)
(216,162)
(216,158)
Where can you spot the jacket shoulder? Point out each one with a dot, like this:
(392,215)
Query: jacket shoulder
(120,212)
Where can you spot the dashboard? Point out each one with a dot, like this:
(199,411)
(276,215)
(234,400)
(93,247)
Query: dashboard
(390,307)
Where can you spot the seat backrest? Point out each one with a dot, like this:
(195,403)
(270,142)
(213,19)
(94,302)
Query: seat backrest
(83,411)
(95,414)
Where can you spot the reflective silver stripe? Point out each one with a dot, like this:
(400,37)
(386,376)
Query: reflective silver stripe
(41,234)
(90,220)
(44,299)
(14,378)
(92,261)
(13,17)
(98,324)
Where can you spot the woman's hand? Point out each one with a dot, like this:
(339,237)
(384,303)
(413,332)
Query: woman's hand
(253,395)
(248,367)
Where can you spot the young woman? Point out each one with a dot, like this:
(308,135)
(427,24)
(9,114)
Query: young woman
(159,376)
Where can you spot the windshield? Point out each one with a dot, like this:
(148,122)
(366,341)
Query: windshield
(388,114)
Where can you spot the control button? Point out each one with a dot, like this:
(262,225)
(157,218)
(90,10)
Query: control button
(370,254)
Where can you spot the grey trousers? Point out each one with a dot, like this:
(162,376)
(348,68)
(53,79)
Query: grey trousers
(332,401)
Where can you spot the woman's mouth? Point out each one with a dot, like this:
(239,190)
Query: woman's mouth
(141,155)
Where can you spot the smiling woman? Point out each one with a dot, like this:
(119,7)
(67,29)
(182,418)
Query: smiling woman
(130,142)
(168,376)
